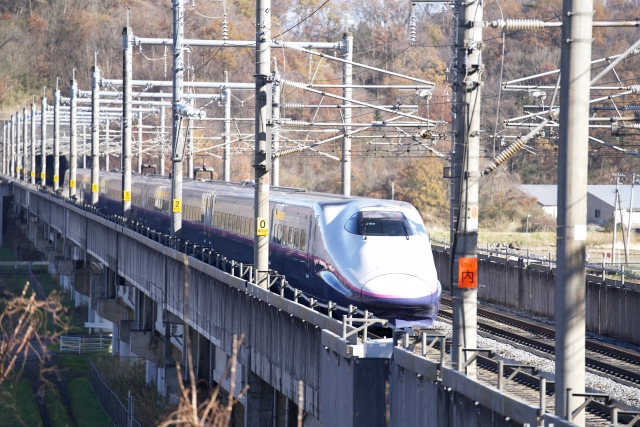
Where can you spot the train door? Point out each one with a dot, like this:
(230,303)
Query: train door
(311,245)
(276,246)
(208,217)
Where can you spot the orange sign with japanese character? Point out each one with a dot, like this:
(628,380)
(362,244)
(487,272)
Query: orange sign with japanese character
(468,273)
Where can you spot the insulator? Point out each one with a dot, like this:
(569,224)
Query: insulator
(518,24)
(635,88)
(288,151)
(225,29)
(412,29)
(292,105)
(505,155)
(294,123)
(300,49)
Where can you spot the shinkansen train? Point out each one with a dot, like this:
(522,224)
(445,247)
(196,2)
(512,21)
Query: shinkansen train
(372,253)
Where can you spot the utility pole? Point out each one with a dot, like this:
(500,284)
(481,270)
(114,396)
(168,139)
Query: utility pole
(24,144)
(262,141)
(12,165)
(16,144)
(177,155)
(4,148)
(618,177)
(573,150)
(627,248)
(127,88)
(465,187)
(56,138)
(140,142)
(190,148)
(163,133)
(43,139)
(275,133)
(226,138)
(95,132)
(73,135)
(347,92)
(32,166)
(84,147)
(107,138)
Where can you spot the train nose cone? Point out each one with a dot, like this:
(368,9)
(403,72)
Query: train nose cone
(399,290)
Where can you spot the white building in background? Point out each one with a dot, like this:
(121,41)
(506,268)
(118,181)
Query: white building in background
(600,200)
(546,195)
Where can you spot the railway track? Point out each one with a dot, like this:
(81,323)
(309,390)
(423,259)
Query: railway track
(617,363)
(611,360)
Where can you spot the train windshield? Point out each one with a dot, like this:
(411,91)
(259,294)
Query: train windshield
(379,223)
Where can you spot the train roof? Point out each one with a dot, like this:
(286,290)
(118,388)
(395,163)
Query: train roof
(277,194)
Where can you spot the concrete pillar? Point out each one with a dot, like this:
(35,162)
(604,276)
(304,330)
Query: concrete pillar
(259,409)
(286,411)
(151,375)
(115,340)
(161,382)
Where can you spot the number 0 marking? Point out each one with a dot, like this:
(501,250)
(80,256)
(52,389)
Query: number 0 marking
(94,188)
(72,183)
(261,227)
(177,205)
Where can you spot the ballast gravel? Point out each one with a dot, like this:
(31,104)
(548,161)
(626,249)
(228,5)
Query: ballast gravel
(620,392)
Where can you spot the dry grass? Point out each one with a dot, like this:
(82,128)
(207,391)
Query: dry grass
(598,242)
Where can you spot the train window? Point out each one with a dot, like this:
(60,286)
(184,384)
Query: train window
(285,233)
(296,238)
(245,229)
(225,223)
(290,240)
(379,223)
(277,236)
(303,240)
(250,228)
(235,223)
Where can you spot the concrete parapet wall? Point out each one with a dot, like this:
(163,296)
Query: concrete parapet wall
(611,308)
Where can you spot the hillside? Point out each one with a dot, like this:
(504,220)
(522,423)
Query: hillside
(41,40)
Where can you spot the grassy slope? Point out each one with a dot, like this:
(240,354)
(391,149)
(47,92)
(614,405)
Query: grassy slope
(27,406)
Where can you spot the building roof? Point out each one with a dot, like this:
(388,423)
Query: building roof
(606,194)
(547,195)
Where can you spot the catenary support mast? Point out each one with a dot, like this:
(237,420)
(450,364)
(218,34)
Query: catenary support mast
(177,140)
(43,139)
(73,135)
(262,141)
(573,150)
(25,155)
(95,134)
(466,176)
(347,92)
(32,164)
(56,138)
(127,70)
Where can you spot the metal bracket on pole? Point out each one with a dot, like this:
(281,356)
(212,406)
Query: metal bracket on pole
(348,321)
(475,353)
(516,370)
(590,398)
